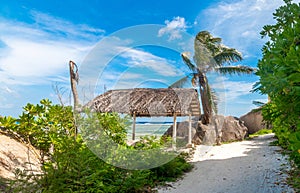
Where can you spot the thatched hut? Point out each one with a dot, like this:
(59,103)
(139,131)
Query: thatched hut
(149,102)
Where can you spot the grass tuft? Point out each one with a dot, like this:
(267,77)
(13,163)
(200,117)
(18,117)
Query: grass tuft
(260,132)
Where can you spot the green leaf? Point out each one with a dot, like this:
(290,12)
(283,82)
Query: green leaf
(180,83)
(294,78)
(235,70)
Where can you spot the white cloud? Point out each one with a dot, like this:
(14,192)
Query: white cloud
(65,28)
(37,54)
(231,90)
(35,51)
(235,98)
(235,90)
(9,90)
(173,28)
(6,94)
(239,23)
(130,76)
(28,58)
(140,58)
(121,66)
(134,68)
(116,80)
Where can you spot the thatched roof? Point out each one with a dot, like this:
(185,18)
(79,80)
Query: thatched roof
(147,102)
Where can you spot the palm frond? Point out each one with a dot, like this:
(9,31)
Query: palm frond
(235,70)
(203,56)
(203,36)
(227,55)
(256,87)
(187,61)
(258,103)
(216,40)
(213,99)
(179,83)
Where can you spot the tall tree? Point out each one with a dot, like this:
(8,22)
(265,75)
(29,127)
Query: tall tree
(279,76)
(209,55)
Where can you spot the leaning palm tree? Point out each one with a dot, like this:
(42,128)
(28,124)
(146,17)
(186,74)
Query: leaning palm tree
(210,55)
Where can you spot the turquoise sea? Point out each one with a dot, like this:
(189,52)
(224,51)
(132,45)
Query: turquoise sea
(143,128)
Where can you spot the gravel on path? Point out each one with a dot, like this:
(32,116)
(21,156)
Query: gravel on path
(250,166)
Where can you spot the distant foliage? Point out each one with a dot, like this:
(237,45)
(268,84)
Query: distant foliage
(68,165)
(279,72)
(260,132)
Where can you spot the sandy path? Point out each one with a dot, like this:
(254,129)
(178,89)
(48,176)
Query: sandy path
(241,167)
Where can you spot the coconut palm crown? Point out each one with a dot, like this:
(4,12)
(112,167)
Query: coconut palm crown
(209,55)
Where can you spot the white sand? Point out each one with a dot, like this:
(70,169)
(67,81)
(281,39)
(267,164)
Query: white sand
(15,155)
(241,167)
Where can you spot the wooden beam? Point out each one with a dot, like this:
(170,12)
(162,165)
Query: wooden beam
(133,126)
(174,132)
(190,130)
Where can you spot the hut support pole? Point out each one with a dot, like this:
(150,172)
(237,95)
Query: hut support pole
(174,132)
(133,126)
(190,130)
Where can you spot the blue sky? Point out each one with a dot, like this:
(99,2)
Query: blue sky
(38,38)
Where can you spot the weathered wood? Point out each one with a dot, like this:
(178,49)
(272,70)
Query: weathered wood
(74,77)
(174,132)
(133,126)
(190,130)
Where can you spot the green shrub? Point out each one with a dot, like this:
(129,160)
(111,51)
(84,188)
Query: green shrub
(173,169)
(279,72)
(68,165)
(260,132)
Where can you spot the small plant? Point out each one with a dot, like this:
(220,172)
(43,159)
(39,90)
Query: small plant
(3,185)
(294,178)
(260,132)
(174,169)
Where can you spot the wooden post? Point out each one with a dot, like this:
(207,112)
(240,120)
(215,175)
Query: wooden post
(190,130)
(133,126)
(74,77)
(174,132)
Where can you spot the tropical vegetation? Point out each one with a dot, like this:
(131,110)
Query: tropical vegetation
(210,55)
(260,132)
(68,165)
(279,73)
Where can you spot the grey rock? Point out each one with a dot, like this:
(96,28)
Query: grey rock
(253,121)
(221,129)
(233,130)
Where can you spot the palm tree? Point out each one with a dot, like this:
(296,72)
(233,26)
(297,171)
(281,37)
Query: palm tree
(210,55)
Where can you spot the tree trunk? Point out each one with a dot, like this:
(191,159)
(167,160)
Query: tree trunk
(74,81)
(74,77)
(205,101)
